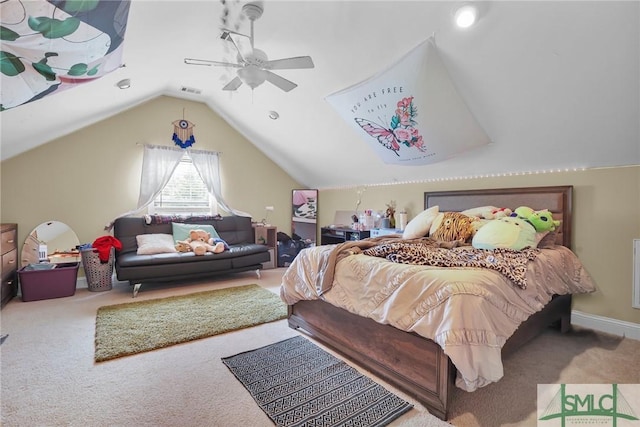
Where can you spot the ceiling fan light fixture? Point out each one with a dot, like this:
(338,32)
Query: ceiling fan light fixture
(252,76)
(465,15)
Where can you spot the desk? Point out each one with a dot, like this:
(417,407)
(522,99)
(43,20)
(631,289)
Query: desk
(333,235)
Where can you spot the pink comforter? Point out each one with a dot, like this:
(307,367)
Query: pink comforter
(469,312)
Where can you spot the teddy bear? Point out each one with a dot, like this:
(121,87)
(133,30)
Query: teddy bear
(183,246)
(200,242)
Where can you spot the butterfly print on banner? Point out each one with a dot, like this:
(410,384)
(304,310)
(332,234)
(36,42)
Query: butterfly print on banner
(402,129)
(384,136)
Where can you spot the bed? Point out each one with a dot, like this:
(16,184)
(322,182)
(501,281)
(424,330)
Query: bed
(413,355)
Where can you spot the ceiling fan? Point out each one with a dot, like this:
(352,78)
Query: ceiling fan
(254,67)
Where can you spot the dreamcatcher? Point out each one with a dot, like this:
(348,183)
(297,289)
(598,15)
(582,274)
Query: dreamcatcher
(183,132)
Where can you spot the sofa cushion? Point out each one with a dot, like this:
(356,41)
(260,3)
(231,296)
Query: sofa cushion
(241,250)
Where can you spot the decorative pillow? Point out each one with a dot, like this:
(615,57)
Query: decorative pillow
(181,231)
(149,244)
(453,226)
(419,226)
(436,223)
(507,233)
(480,212)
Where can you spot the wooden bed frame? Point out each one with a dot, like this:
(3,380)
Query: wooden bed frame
(414,364)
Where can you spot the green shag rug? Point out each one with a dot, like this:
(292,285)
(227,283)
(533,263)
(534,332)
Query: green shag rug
(126,329)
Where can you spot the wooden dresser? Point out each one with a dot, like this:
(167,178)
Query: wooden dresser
(9,251)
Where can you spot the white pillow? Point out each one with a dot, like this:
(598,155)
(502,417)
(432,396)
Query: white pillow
(420,224)
(150,244)
(436,223)
(480,211)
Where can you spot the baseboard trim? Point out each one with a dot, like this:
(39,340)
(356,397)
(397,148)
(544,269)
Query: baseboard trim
(606,324)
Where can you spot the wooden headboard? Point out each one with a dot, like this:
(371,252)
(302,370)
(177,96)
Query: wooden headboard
(557,199)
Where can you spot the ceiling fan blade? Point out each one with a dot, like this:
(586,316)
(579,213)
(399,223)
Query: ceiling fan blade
(281,82)
(241,44)
(289,63)
(193,61)
(233,84)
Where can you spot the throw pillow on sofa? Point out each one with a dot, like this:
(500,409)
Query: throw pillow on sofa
(181,231)
(150,244)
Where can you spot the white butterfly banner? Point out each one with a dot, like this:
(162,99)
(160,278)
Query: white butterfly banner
(411,113)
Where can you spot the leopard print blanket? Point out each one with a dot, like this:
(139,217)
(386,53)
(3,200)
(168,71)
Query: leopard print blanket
(510,263)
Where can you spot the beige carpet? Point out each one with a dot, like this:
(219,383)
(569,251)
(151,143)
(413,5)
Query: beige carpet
(126,329)
(581,356)
(49,377)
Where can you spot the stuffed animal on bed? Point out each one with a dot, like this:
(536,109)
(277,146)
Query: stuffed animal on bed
(487,212)
(541,220)
(509,233)
(450,226)
(200,242)
(497,213)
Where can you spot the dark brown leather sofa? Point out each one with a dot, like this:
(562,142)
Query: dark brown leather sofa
(243,253)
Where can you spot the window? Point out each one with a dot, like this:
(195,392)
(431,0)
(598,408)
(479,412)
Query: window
(185,193)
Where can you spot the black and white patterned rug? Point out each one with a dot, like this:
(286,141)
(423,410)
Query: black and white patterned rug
(296,383)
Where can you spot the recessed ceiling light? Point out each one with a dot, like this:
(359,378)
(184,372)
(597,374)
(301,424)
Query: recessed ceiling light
(273,115)
(465,15)
(124,84)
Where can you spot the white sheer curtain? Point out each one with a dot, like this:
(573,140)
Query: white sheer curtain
(159,163)
(207,163)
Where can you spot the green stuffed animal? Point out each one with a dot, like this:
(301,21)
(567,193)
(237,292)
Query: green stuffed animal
(507,232)
(541,220)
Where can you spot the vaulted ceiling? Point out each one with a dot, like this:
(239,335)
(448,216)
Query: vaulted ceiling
(554,84)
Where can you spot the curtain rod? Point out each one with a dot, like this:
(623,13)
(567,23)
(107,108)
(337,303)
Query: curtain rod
(169,147)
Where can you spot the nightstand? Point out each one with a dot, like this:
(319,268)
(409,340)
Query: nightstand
(268,235)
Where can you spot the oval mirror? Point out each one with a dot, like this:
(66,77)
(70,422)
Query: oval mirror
(53,242)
